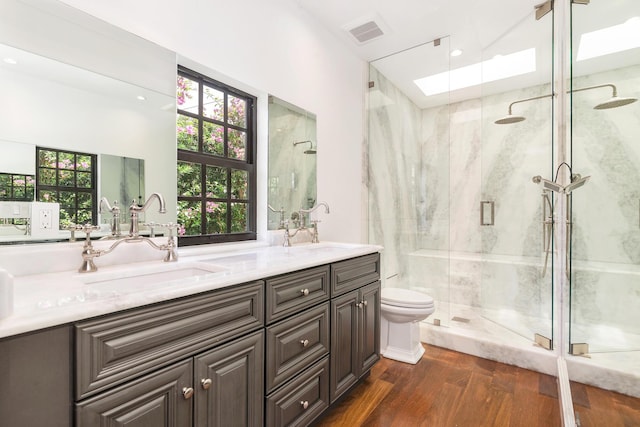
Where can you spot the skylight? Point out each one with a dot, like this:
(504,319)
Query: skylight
(608,40)
(498,68)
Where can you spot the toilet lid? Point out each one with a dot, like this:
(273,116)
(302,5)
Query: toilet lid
(405,298)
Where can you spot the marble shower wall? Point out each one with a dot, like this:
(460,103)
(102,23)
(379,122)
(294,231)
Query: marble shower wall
(395,185)
(606,211)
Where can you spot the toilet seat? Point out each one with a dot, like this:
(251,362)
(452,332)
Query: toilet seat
(406,298)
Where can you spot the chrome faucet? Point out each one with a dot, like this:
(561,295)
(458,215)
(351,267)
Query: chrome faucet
(115,216)
(135,210)
(300,218)
(281,212)
(89,252)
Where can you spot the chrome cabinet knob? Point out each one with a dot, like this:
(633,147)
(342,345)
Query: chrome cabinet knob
(304,292)
(359,305)
(206,383)
(187,392)
(304,343)
(364,302)
(304,404)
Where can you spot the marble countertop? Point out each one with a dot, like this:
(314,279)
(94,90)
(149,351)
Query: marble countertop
(50,299)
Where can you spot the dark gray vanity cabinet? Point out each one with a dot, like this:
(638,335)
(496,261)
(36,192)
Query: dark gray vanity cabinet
(355,321)
(297,347)
(192,361)
(35,379)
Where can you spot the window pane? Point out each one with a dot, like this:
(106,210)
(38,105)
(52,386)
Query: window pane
(47,177)
(47,159)
(84,179)
(213,139)
(213,106)
(66,217)
(67,199)
(47,196)
(216,182)
(84,200)
(66,178)
(83,216)
(66,161)
(239,220)
(237,114)
(189,179)
(239,184)
(187,133)
(83,163)
(237,144)
(189,218)
(187,95)
(216,218)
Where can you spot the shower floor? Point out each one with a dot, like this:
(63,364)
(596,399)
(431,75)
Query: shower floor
(464,328)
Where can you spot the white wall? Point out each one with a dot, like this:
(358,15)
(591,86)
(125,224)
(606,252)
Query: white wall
(275,47)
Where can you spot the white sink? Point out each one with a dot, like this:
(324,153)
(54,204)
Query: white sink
(151,275)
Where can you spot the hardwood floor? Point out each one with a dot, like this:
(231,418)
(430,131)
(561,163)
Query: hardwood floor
(447,388)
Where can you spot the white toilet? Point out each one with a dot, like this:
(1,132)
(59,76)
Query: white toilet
(400,312)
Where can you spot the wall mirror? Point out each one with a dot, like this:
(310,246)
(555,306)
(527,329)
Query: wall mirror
(292,161)
(72,82)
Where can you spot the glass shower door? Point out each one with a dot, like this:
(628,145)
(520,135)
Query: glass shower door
(515,213)
(605,220)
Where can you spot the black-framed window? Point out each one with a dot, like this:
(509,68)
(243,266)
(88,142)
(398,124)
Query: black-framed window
(17,187)
(68,178)
(216,144)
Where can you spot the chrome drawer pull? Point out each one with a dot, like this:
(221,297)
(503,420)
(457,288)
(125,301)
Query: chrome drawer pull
(187,392)
(304,292)
(304,404)
(206,383)
(304,343)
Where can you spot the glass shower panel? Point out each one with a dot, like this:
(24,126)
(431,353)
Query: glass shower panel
(408,164)
(605,229)
(513,213)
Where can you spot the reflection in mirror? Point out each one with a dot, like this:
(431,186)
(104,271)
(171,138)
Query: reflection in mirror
(47,102)
(122,181)
(292,161)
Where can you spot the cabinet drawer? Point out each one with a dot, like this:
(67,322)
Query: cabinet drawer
(294,292)
(296,343)
(302,400)
(354,273)
(115,348)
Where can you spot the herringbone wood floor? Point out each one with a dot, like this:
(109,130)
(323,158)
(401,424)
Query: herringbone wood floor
(447,388)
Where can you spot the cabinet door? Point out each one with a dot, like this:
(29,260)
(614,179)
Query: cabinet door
(369,326)
(155,400)
(35,379)
(344,344)
(229,383)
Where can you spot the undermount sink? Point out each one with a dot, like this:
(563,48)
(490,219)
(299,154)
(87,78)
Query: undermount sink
(152,275)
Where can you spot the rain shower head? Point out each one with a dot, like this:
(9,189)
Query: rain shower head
(509,118)
(614,102)
(311,150)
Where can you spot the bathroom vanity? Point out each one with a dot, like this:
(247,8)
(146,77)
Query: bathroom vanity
(270,336)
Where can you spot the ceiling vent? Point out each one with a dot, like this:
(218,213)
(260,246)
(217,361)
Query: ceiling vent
(366,32)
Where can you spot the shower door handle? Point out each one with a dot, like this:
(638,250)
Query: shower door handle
(487,209)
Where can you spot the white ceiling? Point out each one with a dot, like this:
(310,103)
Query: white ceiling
(482,29)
